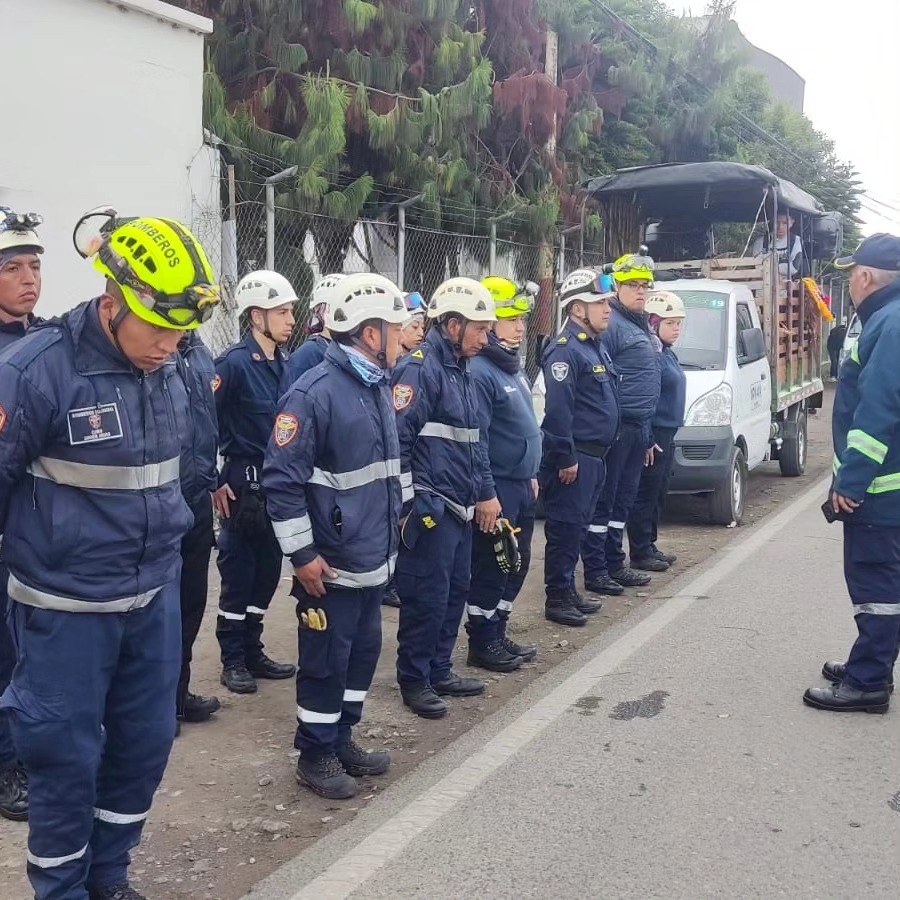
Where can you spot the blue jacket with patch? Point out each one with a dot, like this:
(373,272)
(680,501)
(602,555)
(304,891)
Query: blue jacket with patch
(437,420)
(199,458)
(307,356)
(673,392)
(865,424)
(10,332)
(332,474)
(582,405)
(247,389)
(506,419)
(91,508)
(630,346)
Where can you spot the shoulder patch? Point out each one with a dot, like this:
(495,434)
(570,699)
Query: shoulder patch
(559,371)
(599,370)
(286,428)
(215,382)
(417,354)
(563,340)
(403,395)
(582,336)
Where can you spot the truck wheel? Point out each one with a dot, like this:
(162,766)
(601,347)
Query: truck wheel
(726,503)
(792,456)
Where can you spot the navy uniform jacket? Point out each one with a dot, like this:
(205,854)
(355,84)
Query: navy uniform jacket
(307,356)
(91,508)
(437,420)
(332,474)
(199,458)
(581,404)
(247,388)
(10,332)
(673,392)
(865,424)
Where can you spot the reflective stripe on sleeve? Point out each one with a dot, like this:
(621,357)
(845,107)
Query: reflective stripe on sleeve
(867,445)
(293,534)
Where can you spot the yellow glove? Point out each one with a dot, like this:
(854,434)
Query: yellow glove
(314,619)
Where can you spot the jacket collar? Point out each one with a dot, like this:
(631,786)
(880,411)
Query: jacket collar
(888,294)
(95,353)
(18,328)
(579,333)
(437,342)
(258,355)
(336,355)
(639,319)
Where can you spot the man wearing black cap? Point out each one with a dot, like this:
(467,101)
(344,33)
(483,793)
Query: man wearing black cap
(865,492)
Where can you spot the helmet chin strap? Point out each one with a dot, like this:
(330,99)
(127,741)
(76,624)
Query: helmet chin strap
(585,323)
(381,355)
(114,324)
(457,345)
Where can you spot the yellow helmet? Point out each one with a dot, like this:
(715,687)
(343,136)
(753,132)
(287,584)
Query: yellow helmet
(633,267)
(160,267)
(510,300)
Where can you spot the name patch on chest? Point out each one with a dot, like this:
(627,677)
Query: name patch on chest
(93,424)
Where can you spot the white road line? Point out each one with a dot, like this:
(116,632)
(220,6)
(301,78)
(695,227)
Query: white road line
(392,837)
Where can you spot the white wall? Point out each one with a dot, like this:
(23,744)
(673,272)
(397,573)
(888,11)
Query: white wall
(106,109)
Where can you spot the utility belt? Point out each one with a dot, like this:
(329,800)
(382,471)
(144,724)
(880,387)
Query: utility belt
(592,448)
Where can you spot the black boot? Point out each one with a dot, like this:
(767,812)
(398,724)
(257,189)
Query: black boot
(630,578)
(391,598)
(238,680)
(584,605)
(669,558)
(263,667)
(455,686)
(528,652)
(843,698)
(649,563)
(494,657)
(835,672)
(562,611)
(117,892)
(603,585)
(14,794)
(325,776)
(195,708)
(423,701)
(359,762)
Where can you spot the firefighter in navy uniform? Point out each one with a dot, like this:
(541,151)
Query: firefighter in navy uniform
(335,506)
(93,515)
(20,289)
(581,422)
(446,479)
(247,388)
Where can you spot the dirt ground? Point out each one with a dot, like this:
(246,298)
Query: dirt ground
(229,811)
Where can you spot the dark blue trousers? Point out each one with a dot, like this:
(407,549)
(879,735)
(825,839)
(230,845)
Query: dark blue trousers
(602,551)
(492,592)
(433,583)
(92,704)
(7,664)
(336,666)
(872,573)
(250,572)
(568,509)
(644,519)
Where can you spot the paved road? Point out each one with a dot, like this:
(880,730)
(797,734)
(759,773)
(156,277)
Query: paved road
(671,758)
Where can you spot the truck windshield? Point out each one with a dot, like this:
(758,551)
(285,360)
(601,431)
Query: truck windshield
(704,336)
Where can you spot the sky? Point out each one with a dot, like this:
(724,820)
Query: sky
(848,55)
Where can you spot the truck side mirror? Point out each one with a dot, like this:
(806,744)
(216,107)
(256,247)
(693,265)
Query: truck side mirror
(751,346)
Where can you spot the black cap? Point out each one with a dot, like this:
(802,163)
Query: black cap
(879,251)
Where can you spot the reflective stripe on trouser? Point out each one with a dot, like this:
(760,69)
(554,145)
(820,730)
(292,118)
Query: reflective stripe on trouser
(601,553)
(568,509)
(250,571)
(7,664)
(644,519)
(433,582)
(872,573)
(90,790)
(336,666)
(491,592)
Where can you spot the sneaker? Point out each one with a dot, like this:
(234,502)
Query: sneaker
(584,605)
(271,670)
(359,762)
(649,563)
(629,578)
(325,776)
(455,686)
(603,585)
(423,701)
(116,892)
(238,680)
(14,794)
(195,708)
(669,558)
(528,652)
(494,657)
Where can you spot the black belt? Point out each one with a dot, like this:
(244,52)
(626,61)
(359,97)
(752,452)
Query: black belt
(590,448)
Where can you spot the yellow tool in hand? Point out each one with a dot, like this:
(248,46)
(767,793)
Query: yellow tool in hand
(314,619)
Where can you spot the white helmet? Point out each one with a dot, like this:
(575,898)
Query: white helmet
(263,290)
(666,305)
(587,286)
(464,296)
(323,288)
(18,230)
(357,298)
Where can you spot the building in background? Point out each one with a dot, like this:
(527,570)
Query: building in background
(108,109)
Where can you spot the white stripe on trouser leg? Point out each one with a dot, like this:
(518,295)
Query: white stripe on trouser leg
(504,606)
(51,862)
(597,529)
(354,696)
(256,611)
(114,818)
(478,611)
(617,525)
(234,617)
(310,717)
(877,609)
